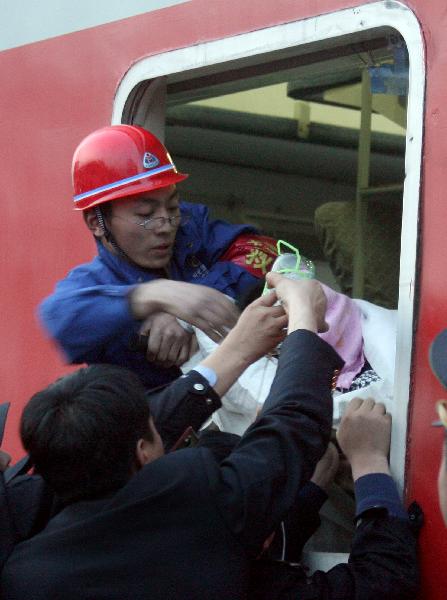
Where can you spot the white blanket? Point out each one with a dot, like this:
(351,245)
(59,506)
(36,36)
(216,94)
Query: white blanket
(241,403)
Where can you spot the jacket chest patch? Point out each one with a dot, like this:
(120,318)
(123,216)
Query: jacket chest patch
(199,269)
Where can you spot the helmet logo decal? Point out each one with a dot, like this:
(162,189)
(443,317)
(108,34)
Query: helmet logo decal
(150,161)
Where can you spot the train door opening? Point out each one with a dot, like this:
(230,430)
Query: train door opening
(312,131)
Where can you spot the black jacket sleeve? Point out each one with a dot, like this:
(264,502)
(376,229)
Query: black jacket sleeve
(382,565)
(258,483)
(301,522)
(186,402)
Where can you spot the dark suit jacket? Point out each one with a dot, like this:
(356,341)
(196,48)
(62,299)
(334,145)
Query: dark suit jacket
(185,526)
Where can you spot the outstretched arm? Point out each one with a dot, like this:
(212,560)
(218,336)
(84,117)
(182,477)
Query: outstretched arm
(190,400)
(259,481)
(383,560)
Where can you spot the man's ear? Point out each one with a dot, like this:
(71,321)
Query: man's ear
(91,220)
(145,452)
(142,452)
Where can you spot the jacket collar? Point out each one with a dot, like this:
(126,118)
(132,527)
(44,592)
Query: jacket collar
(125,271)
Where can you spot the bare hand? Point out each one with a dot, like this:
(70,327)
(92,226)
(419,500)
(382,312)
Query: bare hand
(304,301)
(364,436)
(259,329)
(5,459)
(169,343)
(326,468)
(206,308)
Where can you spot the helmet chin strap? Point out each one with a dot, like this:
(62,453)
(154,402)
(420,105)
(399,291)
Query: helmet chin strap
(108,234)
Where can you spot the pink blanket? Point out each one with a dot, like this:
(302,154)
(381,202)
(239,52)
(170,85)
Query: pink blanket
(345,334)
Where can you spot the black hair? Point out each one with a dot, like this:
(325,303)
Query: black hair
(106,209)
(81,431)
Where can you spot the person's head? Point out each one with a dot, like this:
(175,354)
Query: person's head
(124,181)
(89,432)
(438,361)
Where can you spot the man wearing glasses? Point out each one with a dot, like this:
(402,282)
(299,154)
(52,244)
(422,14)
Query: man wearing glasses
(152,248)
(438,361)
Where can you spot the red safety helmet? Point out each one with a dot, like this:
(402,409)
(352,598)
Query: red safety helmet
(119,161)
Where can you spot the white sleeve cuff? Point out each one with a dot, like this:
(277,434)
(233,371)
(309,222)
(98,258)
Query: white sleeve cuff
(209,374)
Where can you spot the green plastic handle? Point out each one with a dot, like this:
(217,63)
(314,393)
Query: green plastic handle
(295,251)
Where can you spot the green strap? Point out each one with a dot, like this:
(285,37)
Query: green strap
(294,251)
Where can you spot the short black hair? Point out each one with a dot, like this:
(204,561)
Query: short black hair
(81,431)
(106,209)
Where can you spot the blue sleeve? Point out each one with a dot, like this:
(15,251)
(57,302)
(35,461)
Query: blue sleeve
(228,278)
(82,320)
(216,235)
(378,490)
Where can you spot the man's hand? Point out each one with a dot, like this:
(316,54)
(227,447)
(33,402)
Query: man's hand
(364,436)
(169,343)
(259,329)
(304,302)
(206,308)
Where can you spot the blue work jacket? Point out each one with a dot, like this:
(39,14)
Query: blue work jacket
(89,316)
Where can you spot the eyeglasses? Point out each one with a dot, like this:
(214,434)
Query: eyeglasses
(157,222)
